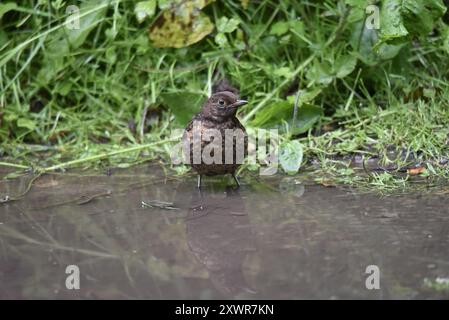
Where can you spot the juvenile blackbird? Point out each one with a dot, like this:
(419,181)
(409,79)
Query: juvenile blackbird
(208,131)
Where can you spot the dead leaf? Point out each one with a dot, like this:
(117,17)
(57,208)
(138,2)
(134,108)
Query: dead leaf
(327,183)
(416,171)
(181,25)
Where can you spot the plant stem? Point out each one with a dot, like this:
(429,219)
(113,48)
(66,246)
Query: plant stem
(13,165)
(106,155)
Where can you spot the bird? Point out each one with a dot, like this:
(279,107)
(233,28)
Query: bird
(206,133)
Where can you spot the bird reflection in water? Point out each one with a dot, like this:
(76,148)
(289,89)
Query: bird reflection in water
(219,235)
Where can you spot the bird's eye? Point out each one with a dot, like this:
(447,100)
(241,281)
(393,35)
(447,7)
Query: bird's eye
(221,102)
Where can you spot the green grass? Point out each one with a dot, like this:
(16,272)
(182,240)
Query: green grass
(97,102)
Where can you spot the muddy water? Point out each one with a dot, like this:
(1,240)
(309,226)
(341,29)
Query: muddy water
(274,238)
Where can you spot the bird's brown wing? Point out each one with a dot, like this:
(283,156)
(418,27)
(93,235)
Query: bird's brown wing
(190,124)
(187,139)
(238,125)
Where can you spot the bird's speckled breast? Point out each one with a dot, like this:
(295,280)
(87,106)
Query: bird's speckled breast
(202,125)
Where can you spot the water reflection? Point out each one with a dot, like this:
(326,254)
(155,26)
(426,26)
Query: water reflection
(219,235)
(276,238)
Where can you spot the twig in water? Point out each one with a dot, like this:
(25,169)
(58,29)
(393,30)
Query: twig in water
(159,204)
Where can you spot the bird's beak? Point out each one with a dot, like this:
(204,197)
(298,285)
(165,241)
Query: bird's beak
(239,103)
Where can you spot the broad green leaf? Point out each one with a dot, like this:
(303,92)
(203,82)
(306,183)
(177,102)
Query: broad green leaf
(325,72)
(344,65)
(273,114)
(290,156)
(282,27)
(144,9)
(5,7)
(365,48)
(184,105)
(307,96)
(65,40)
(401,19)
(91,13)
(308,115)
(225,25)
(386,51)
(391,20)
(76,37)
(320,73)
(277,113)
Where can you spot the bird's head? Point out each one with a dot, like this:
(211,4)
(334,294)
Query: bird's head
(222,105)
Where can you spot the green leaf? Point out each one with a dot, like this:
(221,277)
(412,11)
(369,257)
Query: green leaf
(221,39)
(5,7)
(225,25)
(66,40)
(344,65)
(308,115)
(280,28)
(306,96)
(285,72)
(144,9)
(277,113)
(392,26)
(76,37)
(364,41)
(26,123)
(402,19)
(183,104)
(320,73)
(325,72)
(297,26)
(290,156)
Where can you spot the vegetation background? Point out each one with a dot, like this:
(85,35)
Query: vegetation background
(336,81)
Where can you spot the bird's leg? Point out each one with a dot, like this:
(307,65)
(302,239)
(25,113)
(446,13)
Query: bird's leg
(198,198)
(236,180)
(199,181)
